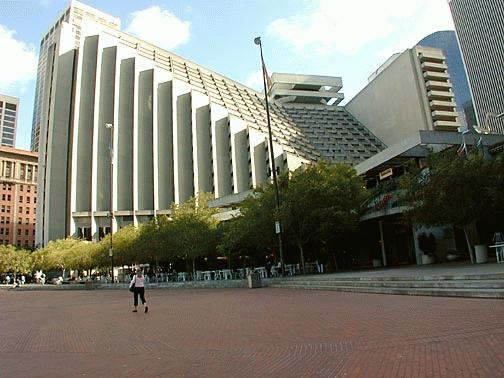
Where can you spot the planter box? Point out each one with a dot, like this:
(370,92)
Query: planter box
(426,259)
(377,263)
(481,252)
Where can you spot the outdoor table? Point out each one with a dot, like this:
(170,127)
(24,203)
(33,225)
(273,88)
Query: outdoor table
(182,276)
(499,252)
(290,269)
(207,275)
(226,274)
(262,271)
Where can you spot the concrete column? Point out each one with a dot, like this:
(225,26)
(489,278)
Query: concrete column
(382,243)
(145,157)
(202,144)
(160,117)
(258,157)
(182,142)
(221,152)
(84,127)
(165,143)
(240,155)
(124,134)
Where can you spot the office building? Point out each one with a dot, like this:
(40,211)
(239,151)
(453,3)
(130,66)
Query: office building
(480,31)
(18,196)
(413,92)
(176,128)
(71,18)
(446,40)
(9,110)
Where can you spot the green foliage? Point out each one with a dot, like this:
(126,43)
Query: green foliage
(454,189)
(321,199)
(193,229)
(15,260)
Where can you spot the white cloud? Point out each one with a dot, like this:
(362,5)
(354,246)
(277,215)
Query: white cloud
(347,26)
(255,80)
(159,27)
(18,65)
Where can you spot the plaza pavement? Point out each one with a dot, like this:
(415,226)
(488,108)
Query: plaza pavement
(248,333)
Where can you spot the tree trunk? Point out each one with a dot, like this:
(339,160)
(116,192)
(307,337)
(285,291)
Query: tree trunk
(301,252)
(194,267)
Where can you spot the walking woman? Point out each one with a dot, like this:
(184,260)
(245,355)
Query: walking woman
(137,283)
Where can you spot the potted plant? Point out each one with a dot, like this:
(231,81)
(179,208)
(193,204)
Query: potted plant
(427,243)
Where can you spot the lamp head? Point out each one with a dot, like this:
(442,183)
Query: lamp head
(257,40)
(109,125)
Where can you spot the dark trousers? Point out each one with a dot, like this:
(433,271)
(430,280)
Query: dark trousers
(138,291)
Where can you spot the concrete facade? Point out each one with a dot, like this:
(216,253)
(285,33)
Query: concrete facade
(72,17)
(178,129)
(413,92)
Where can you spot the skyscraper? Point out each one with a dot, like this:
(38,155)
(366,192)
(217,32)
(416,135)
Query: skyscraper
(480,31)
(9,110)
(72,17)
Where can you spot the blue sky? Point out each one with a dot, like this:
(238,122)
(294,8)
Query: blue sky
(325,37)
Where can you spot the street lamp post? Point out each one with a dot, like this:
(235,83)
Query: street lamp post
(110,126)
(278,227)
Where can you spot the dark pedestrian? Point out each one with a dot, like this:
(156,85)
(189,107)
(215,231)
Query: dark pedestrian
(138,285)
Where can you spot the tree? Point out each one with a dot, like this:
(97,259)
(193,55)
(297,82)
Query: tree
(455,190)
(15,260)
(322,200)
(193,228)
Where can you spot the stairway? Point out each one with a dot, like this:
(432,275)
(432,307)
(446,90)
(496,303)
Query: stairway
(467,285)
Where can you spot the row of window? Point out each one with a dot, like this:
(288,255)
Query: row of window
(27,171)
(5,231)
(6,220)
(7,197)
(26,242)
(7,209)
(8,187)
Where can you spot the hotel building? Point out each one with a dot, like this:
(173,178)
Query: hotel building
(175,127)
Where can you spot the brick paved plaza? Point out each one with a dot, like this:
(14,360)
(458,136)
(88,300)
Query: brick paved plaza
(241,332)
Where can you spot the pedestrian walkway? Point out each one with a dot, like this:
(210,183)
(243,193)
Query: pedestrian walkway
(248,333)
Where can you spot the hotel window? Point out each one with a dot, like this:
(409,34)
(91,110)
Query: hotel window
(3,209)
(1,231)
(29,173)
(27,232)
(6,231)
(21,187)
(21,199)
(7,220)
(20,211)
(19,232)
(8,197)
(4,197)
(27,210)
(22,171)
(20,220)
(28,188)
(2,219)
(27,199)
(7,208)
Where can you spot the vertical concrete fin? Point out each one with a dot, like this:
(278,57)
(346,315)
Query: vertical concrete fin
(182,142)
(165,117)
(202,143)
(240,154)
